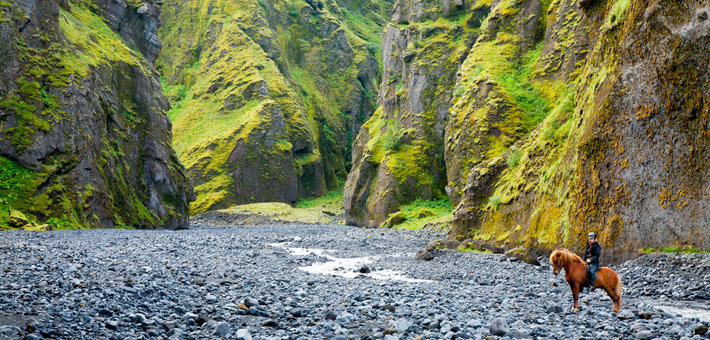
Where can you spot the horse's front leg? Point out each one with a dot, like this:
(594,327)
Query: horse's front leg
(575,294)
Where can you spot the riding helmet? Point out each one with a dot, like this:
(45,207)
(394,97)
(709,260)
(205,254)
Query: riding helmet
(592,235)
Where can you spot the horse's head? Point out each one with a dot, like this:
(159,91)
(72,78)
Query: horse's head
(558,260)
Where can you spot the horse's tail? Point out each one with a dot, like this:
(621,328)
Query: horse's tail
(617,289)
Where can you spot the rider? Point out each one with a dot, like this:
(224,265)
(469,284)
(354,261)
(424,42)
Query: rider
(594,250)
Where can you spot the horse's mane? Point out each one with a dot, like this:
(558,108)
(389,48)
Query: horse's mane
(568,256)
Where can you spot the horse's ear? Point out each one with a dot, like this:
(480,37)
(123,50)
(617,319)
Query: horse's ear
(558,255)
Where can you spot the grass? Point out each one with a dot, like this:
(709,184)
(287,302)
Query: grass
(321,210)
(436,213)
(674,249)
(514,158)
(469,248)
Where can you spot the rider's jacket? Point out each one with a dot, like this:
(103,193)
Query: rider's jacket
(593,252)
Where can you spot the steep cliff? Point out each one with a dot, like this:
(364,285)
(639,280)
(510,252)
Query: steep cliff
(268,94)
(542,121)
(84,138)
(624,150)
(398,155)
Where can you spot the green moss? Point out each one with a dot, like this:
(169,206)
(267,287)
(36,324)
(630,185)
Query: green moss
(616,14)
(427,214)
(94,42)
(41,196)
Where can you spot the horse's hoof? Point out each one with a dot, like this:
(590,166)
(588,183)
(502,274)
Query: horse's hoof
(575,309)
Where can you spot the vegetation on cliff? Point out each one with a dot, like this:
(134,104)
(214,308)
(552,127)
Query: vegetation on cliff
(605,151)
(84,139)
(267,95)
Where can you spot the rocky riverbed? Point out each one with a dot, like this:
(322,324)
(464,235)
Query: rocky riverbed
(319,282)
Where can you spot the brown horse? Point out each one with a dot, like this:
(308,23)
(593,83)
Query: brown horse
(576,276)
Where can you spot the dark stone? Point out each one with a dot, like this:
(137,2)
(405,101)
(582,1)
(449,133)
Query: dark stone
(365,269)
(701,330)
(105,313)
(270,323)
(113,325)
(388,308)
(331,315)
(645,315)
(554,309)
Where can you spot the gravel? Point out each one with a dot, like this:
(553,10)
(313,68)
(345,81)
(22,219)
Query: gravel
(244,283)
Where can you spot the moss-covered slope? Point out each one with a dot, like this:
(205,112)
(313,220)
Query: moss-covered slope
(268,94)
(398,156)
(84,138)
(623,149)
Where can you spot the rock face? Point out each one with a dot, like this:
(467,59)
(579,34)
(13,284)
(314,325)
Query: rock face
(268,94)
(84,138)
(545,122)
(623,149)
(398,155)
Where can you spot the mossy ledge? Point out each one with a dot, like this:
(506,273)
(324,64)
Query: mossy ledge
(84,138)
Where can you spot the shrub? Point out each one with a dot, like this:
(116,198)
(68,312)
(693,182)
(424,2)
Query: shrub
(373,48)
(514,158)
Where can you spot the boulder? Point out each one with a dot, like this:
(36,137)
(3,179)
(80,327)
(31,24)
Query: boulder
(396,219)
(17,219)
(521,253)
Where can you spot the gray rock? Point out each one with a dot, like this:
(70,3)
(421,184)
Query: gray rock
(644,335)
(625,315)
(243,334)
(499,326)
(223,329)
(637,327)
(251,302)
(210,298)
(475,323)
(402,325)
